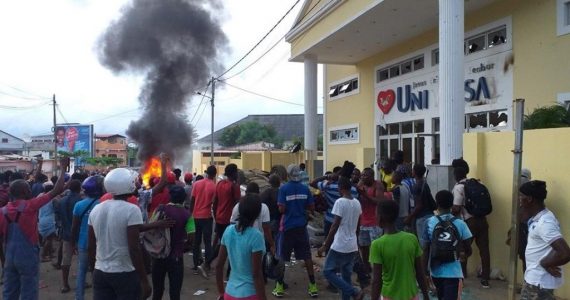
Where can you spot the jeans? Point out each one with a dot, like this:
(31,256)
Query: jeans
(421,228)
(22,266)
(83,262)
(172,266)
(480,230)
(343,262)
(447,288)
(116,286)
(203,231)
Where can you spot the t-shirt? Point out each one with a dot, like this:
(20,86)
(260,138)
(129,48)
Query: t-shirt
(331,193)
(387,178)
(397,254)
(240,246)
(269,197)
(459,198)
(422,192)
(543,230)
(28,221)
(46,219)
(451,269)
(263,217)
(110,220)
(145,196)
(401,195)
(345,238)
(203,192)
(157,199)
(85,205)
(37,188)
(108,196)
(295,196)
(65,207)
(178,232)
(227,193)
(368,217)
(304,177)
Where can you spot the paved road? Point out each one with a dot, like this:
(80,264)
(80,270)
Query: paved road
(295,276)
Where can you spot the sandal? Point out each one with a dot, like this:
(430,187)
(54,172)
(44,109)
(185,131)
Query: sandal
(65,289)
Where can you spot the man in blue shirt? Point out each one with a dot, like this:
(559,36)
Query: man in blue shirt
(446,275)
(293,199)
(65,212)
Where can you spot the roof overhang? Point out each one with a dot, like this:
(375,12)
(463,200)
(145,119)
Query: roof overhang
(378,26)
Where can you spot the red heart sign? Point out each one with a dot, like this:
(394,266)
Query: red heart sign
(386,100)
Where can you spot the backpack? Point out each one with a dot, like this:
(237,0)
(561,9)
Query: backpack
(477,198)
(445,241)
(157,241)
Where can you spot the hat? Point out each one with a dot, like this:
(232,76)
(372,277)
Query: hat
(535,189)
(170,177)
(188,177)
(294,172)
(525,173)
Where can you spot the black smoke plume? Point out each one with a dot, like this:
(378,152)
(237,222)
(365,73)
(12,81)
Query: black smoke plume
(177,44)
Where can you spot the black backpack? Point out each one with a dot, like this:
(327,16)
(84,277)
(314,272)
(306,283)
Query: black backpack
(444,241)
(477,198)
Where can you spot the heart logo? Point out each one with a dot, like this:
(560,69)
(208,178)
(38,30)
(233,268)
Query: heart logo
(386,100)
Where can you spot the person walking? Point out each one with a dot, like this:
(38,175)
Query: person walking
(65,208)
(342,242)
(547,250)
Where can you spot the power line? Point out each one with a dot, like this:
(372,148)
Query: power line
(202,114)
(260,95)
(61,114)
(259,42)
(25,92)
(114,115)
(9,107)
(22,97)
(201,101)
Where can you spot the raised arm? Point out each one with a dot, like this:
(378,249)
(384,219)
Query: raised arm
(59,185)
(162,183)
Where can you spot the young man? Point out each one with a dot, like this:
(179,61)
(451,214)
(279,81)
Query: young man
(396,259)
(477,225)
(93,190)
(19,226)
(546,251)
(371,193)
(342,242)
(446,276)
(293,199)
(65,207)
(401,195)
(304,174)
(269,198)
(201,207)
(329,188)
(424,203)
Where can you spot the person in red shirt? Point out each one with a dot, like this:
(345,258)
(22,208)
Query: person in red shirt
(203,193)
(19,226)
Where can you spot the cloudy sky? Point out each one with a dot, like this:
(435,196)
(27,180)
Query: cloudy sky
(50,47)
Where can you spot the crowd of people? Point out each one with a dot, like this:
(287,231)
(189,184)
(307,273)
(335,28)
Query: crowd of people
(391,232)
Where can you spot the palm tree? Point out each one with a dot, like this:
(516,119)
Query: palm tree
(554,116)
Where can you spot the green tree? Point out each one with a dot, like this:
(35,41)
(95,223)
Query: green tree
(547,117)
(104,161)
(250,132)
(229,136)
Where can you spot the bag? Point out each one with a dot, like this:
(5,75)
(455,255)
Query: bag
(477,198)
(157,241)
(444,241)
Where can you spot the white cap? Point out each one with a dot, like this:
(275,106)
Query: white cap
(120,181)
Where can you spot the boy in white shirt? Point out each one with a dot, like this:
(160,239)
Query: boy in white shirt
(546,250)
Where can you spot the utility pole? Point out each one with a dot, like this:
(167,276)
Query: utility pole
(54,136)
(212,131)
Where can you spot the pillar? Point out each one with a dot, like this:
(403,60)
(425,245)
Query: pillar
(311,128)
(451,78)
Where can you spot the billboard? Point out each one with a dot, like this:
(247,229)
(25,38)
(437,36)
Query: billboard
(71,138)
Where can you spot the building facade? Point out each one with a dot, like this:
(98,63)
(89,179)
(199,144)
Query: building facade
(111,145)
(10,144)
(381,70)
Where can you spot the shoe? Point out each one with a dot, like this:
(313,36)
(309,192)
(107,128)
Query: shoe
(203,271)
(278,291)
(313,290)
(485,284)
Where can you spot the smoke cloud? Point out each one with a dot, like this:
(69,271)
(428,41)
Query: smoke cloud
(177,44)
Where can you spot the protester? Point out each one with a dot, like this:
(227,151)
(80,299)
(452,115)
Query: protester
(371,193)
(355,176)
(293,199)
(173,265)
(386,172)
(304,174)
(424,202)
(47,226)
(396,259)
(65,207)
(401,194)
(19,225)
(245,247)
(201,206)
(269,198)
(177,174)
(342,242)
(477,225)
(188,188)
(546,251)
(441,253)
(93,190)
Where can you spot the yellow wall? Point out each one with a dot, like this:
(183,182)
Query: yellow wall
(491,160)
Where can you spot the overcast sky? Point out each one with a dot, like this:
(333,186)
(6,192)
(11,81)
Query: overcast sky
(48,47)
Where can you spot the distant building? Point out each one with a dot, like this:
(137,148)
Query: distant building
(10,144)
(111,145)
(40,144)
(288,127)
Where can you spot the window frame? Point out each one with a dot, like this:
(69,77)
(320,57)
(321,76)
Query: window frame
(337,86)
(341,128)
(562,17)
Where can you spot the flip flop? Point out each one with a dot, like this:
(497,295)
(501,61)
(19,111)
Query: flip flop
(65,289)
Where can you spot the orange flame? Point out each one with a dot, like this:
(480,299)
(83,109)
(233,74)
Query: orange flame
(152,169)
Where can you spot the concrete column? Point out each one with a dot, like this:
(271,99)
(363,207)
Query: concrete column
(451,78)
(311,127)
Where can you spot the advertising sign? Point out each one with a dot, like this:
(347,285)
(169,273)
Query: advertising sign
(71,138)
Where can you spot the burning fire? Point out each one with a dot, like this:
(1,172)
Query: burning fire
(151,170)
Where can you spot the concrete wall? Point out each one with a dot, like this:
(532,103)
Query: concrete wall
(490,158)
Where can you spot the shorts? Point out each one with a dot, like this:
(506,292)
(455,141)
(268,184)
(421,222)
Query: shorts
(416,297)
(219,229)
(66,253)
(229,297)
(296,239)
(368,234)
(533,292)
